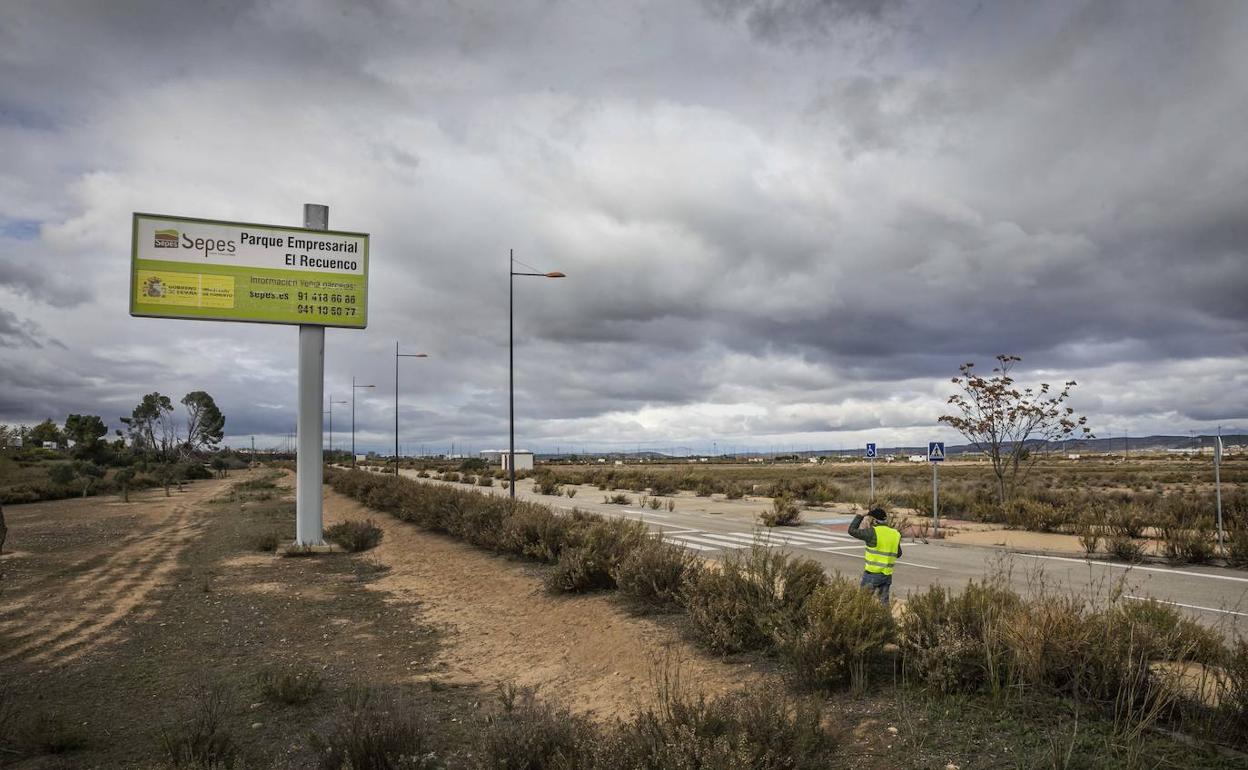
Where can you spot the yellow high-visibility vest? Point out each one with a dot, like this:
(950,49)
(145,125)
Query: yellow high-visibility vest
(883,556)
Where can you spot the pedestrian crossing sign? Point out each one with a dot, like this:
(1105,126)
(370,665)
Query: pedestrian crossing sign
(871,451)
(935,451)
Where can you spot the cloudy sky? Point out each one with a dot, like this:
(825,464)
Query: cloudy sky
(785,223)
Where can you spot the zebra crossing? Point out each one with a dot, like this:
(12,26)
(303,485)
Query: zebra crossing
(815,540)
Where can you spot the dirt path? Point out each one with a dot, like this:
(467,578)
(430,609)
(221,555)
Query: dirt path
(501,625)
(85,601)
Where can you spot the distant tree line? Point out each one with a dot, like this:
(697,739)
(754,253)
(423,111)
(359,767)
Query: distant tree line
(155,445)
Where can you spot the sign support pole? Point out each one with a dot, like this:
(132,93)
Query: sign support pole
(1217,486)
(935,501)
(873,481)
(309,470)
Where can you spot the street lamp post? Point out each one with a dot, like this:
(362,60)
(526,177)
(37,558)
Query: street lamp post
(354,388)
(331,421)
(511,361)
(397,356)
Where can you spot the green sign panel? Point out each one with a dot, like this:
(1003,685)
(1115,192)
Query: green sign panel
(234,271)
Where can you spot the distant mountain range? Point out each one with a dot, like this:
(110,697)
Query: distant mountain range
(1111,444)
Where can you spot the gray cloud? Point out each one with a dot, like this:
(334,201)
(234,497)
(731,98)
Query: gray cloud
(782,222)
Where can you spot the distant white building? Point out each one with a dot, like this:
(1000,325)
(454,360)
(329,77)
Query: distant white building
(524,460)
(917,458)
(493,456)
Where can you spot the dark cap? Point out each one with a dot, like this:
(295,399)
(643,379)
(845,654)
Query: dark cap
(877,514)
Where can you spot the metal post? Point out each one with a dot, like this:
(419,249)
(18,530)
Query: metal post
(396,408)
(309,471)
(935,501)
(872,480)
(1217,486)
(353,421)
(511,372)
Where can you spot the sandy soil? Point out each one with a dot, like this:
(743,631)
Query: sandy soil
(92,574)
(1020,540)
(501,625)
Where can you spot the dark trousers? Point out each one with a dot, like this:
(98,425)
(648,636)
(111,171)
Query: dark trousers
(879,584)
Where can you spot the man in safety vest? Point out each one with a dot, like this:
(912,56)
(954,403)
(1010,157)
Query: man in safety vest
(883,551)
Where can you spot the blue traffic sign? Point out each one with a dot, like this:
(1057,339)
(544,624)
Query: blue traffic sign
(870,450)
(935,451)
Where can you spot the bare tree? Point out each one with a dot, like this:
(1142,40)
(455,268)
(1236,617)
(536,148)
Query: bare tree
(1000,420)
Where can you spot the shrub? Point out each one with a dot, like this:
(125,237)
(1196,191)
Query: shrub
(485,481)
(1088,528)
(589,564)
(756,730)
(751,598)
(1125,548)
(547,485)
(570,492)
(369,734)
(355,536)
(289,688)
(450,476)
(618,499)
(842,629)
(784,512)
(1183,543)
(952,642)
(1127,521)
(536,533)
(201,737)
(655,572)
(1034,515)
(48,733)
(527,734)
(269,541)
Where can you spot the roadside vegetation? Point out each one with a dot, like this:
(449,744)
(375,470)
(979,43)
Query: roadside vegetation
(52,461)
(1124,667)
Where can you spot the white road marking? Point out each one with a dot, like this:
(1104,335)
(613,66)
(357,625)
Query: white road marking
(840,548)
(1189,606)
(1162,570)
(701,542)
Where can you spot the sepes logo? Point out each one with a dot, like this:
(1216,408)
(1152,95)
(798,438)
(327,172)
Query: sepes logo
(167,239)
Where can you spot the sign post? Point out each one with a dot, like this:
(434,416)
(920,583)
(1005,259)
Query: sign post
(935,456)
(202,269)
(871,459)
(1217,485)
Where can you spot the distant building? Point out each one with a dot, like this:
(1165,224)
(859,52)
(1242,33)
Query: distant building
(918,458)
(493,456)
(524,460)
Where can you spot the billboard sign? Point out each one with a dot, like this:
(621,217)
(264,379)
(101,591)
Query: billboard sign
(234,271)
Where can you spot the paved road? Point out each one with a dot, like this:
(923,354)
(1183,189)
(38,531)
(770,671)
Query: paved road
(1214,595)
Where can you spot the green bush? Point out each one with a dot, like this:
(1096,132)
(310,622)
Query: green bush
(784,512)
(751,730)
(655,573)
(951,642)
(355,536)
(485,481)
(201,737)
(843,629)
(48,733)
(289,688)
(1034,515)
(1188,542)
(590,562)
(1125,548)
(528,734)
(754,596)
(367,733)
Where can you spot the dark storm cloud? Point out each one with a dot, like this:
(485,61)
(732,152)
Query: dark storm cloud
(777,218)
